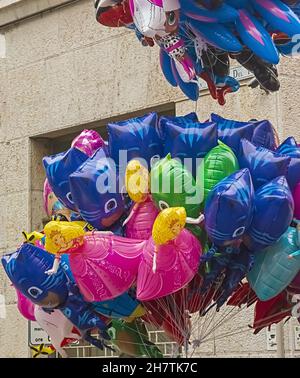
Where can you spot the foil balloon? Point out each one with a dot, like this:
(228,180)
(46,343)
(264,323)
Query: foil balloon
(26,269)
(263,164)
(143,213)
(219,163)
(273,213)
(273,270)
(52,204)
(59,328)
(190,144)
(296,196)
(95,190)
(104,265)
(138,137)
(182,121)
(170,258)
(113,13)
(229,208)
(290,148)
(132,339)
(59,167)
(261,133)
(25,306)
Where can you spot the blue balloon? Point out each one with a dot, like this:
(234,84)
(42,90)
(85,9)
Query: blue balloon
(255,36)
(190,89)
(138,136)
(278,15)
(182,121)
(166,67)
(290,148)
(58,169)
(229,208)
(273,213)
(263,164)
(217,35)
(192,143)
(224,13)
(26,269)
(122,306)
(96,192)
(273,270)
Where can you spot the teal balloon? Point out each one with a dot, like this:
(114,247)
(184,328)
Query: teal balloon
(273,270)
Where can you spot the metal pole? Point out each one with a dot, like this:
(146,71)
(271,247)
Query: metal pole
(280,340)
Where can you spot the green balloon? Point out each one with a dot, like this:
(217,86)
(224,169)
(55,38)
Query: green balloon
(172,185)
(132,339)
(219,163)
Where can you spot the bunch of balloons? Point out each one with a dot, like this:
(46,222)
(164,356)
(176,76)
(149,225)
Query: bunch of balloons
(189,216)
(198,38)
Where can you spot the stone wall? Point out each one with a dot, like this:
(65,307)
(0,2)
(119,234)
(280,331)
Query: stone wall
(63,72)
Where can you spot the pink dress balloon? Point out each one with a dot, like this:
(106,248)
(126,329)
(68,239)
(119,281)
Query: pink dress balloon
(105,266)
(177,263)
(25,306)
(88,141)
(296,195)
(140,224)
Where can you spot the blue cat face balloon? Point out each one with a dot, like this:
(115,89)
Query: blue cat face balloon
(263,164)
(231,132)
(182,121)
(58,169)
(273,213)
(95,190)
(190,143)
(229,208)
(290,148)
(138,136)
(26,269)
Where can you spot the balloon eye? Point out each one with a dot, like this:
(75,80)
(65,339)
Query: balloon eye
(171,18)
(34,291)
(69,197)
(163,205)
(238,232)
(110,205)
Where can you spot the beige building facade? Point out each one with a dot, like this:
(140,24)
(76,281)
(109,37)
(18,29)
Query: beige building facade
(61,72)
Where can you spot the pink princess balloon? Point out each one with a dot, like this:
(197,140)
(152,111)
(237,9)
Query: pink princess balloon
(105,266)
(140,224)
(176,265)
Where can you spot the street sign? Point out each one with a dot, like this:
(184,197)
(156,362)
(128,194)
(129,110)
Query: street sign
(240,73)
(36,334)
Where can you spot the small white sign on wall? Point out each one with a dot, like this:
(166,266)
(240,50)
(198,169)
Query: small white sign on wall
(36,334)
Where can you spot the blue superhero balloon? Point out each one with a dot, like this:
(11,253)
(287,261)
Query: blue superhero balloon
(58,169)
(182,121)
(229,208)
(26,269)
(255,36)
(263,164)
(190,89)
(273,213)
(95,190)
(166,67)
(190,144)
(273,270)
(138,136)
(278,15)
(261,133)
(223,14)
(290,148)
(216,35)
